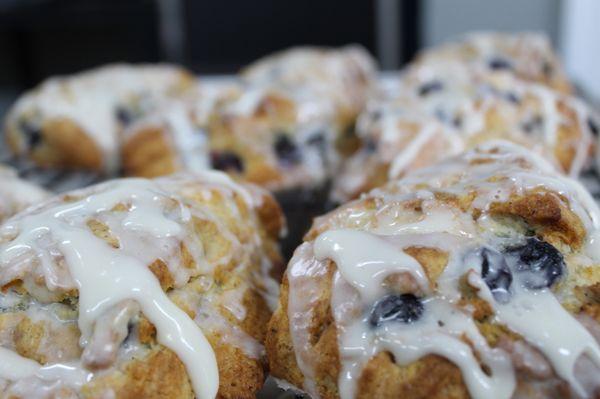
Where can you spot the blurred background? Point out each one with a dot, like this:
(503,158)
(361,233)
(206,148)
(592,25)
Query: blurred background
(40,38)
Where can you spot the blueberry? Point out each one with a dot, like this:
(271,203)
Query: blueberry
(32,133)
(286,149)
(370,145)
(405,308)
(124,115)
(539,264)
(498,63)
(430,87)
(226,161)
(512,97)
(317,139)
(533,124)
(593,126)
(457,121)
(496,274)
(547,69)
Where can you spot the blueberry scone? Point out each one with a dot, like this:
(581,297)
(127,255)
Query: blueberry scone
(527,55)
(440,109)
(343,75)
(478,277)
(74,122)
(139,288)
(17,194)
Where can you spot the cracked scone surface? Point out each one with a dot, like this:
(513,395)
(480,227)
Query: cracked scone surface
(478,277)
(136,288)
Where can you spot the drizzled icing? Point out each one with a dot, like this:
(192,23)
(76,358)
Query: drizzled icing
(367,256)
(113,278)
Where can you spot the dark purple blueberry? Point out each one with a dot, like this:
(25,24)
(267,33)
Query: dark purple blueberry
(430,87)
(547,69)
(124,115)
(405,308)
(457,121)
(376,115)
(226,161)
(512,97)
(498,63)
(533,124)
(286,149)
(496,274)
(317,139)
(32,133)
(539,264)
(441,115)
(370,145)
(593,126)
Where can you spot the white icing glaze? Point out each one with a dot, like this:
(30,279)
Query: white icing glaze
(303,289)
(17,194)
(190,140)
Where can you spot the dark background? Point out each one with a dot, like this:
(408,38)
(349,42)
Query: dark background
(41,38)
(47,37)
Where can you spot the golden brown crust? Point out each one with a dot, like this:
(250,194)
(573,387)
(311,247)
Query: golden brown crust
(64,145)
(148,154)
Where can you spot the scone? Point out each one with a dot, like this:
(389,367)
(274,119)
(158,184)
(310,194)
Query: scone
(17,194)
(139,288)
(74,122)
(343,75)
(438,110)
(527,55)
(478,277)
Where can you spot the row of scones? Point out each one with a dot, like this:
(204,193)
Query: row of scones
(462,259)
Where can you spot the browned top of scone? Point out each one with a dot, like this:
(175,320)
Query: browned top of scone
(469,226)
(210,244)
